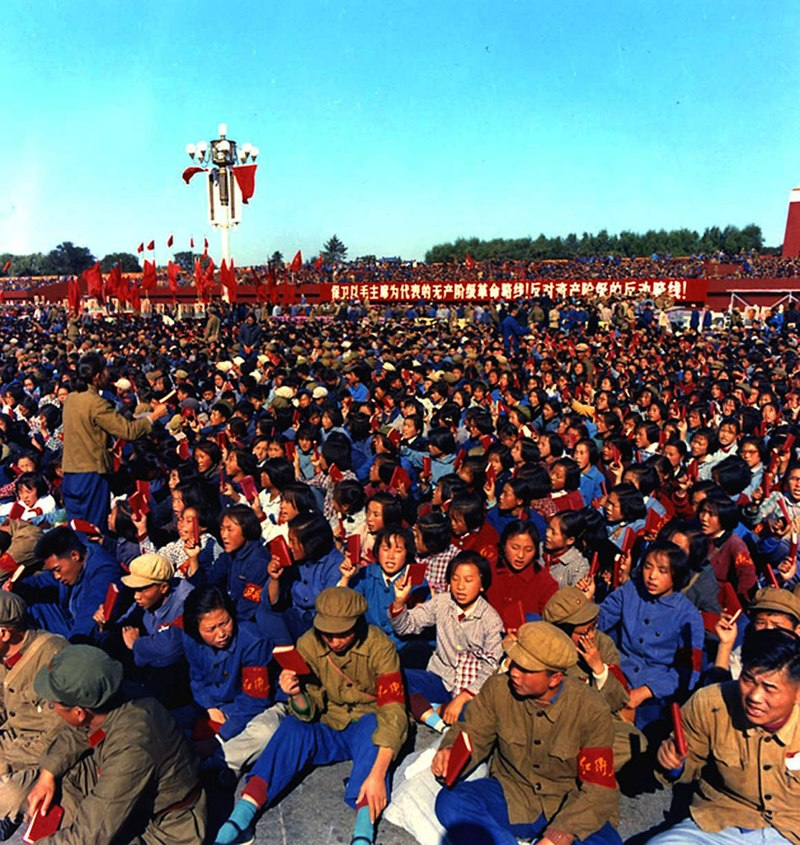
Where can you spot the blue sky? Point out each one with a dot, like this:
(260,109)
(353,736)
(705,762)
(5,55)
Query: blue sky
(400,125)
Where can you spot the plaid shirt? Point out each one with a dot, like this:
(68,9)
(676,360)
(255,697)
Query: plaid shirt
(468,646)
(437,567)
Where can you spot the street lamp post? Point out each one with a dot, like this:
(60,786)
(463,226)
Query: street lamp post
(225,162)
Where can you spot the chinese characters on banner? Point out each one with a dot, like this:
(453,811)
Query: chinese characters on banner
(685,290)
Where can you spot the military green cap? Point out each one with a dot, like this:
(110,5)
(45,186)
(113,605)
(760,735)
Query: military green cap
(338,610)
(540,646)
(79,676)
(12,609)
(569,606)
(776,600)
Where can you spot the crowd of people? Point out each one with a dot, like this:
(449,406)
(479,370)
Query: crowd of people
(398,271)
(236,550)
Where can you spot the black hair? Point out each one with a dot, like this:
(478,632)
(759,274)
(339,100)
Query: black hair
(245,518)
(314,534)
(391,507)
(514,529)
(202,600)
(435,530)
(679,567)
(337,450)
(470,507)
(349,494)
(631,502)
(210,448)
(572,480)
(770,650)
(443,440)
(718,504)
(405,534)
(733,475)
(280,472)
(529,451)
(479,561)
(34,480)
(59,542)
(698,542)
(538,480)
(90,365)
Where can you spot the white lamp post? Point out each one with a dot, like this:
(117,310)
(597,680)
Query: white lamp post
(219,157)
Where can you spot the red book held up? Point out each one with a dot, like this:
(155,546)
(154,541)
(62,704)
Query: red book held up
(654,522)
(41,826)
(513,616)
(83,526)
(279,549)
(8,565)
(335,474)
(400,478)
(248,485)
(426,465)
(394,437)
(138,503)
(111,599)
(677,724)
(595,565)
(289,658)
(460,752)
(417,572)
(17,511)
(291,450)
(354,550)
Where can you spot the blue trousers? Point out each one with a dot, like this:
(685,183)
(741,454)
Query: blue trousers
(296,745)
(427,684)
(86,496)
(476,813)
(688,833)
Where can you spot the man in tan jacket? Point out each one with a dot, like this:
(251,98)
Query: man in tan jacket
(27,724)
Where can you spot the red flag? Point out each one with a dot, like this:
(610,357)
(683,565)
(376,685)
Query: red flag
(318,262)
(469,262)
(227,279)
(7,265)
(136,298)
(297,262)
(151,246)
(245,175)
(191,243)
(190,172)
(123,290)
(94,280)
(149,279)
(173,271)
(140,248)
(73,294)
(170,240)
(114,281)
(205,244)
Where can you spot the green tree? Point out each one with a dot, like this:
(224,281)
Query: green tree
(128,262)
(185,260)
(276,259)
(334,250)
(68,260)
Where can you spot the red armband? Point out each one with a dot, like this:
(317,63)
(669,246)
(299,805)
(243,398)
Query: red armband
(390,689)
(252,592)
(255,681)
(596,766)
(619,675)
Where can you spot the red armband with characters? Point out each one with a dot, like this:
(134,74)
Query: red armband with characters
(252,592)
(255,681)
(390,689)
(596,766)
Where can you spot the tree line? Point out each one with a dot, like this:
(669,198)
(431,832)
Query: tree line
(731,240)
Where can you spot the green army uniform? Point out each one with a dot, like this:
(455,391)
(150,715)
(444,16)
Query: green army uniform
(570,607)
(551,758)
(27,723)
(133,779)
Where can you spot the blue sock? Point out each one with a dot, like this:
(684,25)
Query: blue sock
(242,817)
(435,721)
(363,826)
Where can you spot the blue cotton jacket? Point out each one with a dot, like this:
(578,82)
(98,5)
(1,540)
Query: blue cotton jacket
(243,572)
(79,602)
(234,680)
(310,578)
(162,643)
(661,640)
(371,583)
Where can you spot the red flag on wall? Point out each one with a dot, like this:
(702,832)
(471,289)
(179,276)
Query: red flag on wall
(297,262)
(170,240)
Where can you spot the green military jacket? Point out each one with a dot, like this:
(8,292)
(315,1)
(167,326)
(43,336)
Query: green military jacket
(373,684)
(613,691)
(554,758)
(88,421)
(748,777)
(27,724)
(144,767)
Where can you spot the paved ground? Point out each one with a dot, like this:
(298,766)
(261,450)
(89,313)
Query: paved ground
(315,813)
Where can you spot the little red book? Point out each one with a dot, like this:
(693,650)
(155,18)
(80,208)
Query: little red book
(111,599)
(416,572)
(289,658)
(400,478)
(291,450)
(354,549)
(279,549)
(17,510)
(426,465)
(460,752)
(680,736)
(335,474)
(248,485)
(83,526)
(11,567)
(41,826)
